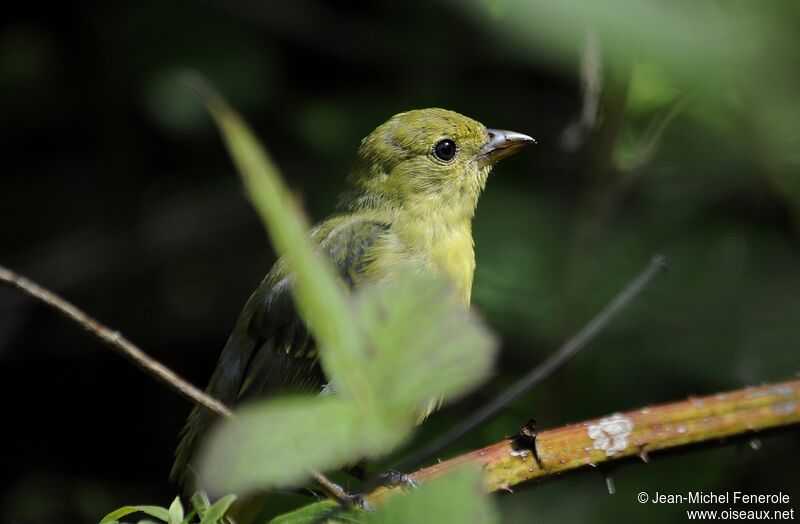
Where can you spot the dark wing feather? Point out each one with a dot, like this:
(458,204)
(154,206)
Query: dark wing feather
(270,350)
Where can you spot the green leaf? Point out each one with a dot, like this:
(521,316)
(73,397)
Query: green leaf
(200,503)
(456,498)
(154,511)
(276,442)
(318,512)
(176,511)
(218,509)
(425,345)
(318,293)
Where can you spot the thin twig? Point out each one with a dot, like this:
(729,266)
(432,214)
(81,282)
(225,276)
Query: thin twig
(577,132)
(114,340)
(543,370)
(126,348)
(334,491)
(639,432)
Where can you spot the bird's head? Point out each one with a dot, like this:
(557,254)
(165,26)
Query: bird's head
(426,159)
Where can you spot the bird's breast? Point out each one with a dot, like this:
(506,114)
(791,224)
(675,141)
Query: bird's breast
(440,248)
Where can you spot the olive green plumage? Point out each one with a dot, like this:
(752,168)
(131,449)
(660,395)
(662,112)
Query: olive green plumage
(410,200)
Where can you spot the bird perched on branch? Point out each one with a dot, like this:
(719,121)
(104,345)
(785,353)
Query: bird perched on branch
(410,200)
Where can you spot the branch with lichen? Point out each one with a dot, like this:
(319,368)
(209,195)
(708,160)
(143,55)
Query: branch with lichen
(632,433)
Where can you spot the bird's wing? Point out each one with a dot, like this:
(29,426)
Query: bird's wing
(270,349)
(287,360)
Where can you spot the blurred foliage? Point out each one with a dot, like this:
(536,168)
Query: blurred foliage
(117,193)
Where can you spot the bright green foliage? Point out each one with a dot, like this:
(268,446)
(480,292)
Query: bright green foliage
(154,511)
(202,509)
(200,503)
(176,511)
(218,509)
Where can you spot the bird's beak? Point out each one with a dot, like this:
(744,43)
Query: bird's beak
(501,144)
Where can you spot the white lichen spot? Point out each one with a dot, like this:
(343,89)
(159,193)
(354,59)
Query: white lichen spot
(681,429)
(757,393)
(645,411)
(698,403)
(783,391)
(522,453)
(611,434)
(785,408)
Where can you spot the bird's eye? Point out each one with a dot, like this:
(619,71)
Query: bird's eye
(445,150)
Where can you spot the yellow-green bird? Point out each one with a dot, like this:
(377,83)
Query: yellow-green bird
(410,200)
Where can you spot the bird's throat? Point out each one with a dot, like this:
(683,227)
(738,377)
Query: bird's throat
(440,242)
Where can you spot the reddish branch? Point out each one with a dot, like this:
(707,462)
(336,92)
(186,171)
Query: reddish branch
(638,432)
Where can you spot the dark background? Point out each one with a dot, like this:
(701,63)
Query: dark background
(117,192)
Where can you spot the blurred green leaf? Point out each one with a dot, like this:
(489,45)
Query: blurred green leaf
(276,442)
(651,88)
(218,509)
(423,344)
(154,511)
(696,39)
(456,498)
(167,104)
(318,293)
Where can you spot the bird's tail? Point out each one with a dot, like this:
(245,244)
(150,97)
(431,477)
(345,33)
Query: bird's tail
(223,386)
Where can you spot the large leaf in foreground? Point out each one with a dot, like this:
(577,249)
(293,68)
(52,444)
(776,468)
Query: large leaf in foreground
(277,442)
(318,293)
(423,343)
